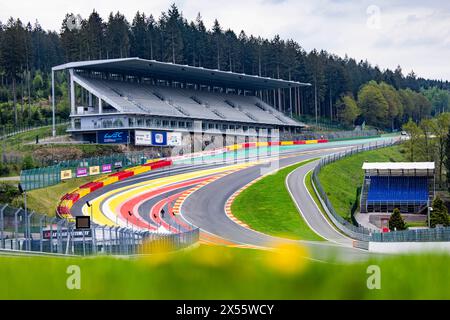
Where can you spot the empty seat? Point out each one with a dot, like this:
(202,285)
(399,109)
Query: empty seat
(398,189)
(169,101)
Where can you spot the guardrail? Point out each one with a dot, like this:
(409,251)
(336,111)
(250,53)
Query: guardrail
(32,232)
(361,233)
(11,130)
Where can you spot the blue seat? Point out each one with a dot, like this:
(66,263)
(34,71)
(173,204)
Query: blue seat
(398,189)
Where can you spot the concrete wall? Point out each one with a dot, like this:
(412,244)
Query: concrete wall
(408,247)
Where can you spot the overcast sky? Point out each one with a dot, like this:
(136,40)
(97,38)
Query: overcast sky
(414,33)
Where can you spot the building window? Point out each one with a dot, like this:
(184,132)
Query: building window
(181,124)
(77,123)
(165,123)
(173,124)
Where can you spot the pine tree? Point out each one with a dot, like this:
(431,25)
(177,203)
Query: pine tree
(447,162)
(439,215)
(396,221)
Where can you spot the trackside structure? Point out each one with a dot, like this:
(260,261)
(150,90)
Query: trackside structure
(147,102)
(408,186)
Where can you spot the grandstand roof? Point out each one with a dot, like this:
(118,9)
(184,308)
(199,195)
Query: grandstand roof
(177,72)
(398,166)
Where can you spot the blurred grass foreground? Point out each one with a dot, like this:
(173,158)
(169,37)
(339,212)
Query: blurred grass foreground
(209,272)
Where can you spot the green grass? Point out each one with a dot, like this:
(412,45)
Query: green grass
(44,200)
(224,273)
(342,178)
(416,224)
(266,206)
(15,141)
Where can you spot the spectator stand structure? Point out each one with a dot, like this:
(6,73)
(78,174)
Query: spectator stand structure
(408,186)
(113,100)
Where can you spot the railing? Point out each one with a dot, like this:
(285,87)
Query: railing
(11,130)
(359,232)
(24,231)
(47,176)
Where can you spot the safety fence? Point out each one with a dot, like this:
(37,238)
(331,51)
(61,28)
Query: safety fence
(359,232)
(25,231)
(11,130)
(47,176)
(66,202)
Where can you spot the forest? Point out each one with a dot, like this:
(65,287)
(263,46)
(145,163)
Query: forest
(343,90)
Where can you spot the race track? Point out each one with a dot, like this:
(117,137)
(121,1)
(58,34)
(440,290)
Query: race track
(195,194)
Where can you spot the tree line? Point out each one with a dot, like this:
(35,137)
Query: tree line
(429,140)
(384,106)
(27,49)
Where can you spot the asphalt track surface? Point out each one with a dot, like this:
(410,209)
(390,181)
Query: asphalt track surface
(204,208)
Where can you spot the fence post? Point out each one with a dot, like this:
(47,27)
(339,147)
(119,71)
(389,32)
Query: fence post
(93,240)
(29,230)
(41,232)
(16,229)
(2,227)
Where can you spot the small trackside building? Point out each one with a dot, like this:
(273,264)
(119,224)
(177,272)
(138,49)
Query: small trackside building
(408,186)
(146,102)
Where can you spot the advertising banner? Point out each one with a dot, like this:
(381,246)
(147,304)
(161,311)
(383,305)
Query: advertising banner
(106,168)
(174,139)
(159,138)
(94,170)
(116,136)
(82,172)
(142,138)
(118,165)
(66,174)
(78,234)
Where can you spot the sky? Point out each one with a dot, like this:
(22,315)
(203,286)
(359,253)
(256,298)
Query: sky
(414,34)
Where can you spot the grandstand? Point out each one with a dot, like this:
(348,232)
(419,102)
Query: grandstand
(116,97)
(408,186)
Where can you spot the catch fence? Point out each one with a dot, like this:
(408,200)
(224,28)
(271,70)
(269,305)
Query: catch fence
(29,231)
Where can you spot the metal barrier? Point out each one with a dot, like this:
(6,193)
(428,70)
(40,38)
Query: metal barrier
(359,232)
(24,231)
(7,131)
(47,176)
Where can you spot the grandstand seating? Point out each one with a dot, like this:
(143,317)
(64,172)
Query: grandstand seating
(398,189)
(168,101)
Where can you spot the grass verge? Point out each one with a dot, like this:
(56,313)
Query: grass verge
(266,206)
(44,200)
(341,179)
(224,273)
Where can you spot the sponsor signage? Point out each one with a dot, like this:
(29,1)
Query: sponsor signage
(94,170)
(118,165)
(174,139)
(159,138)
(46,234)
(117,136)
(142,138)
(66,174)
(82,172)
(106,168)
